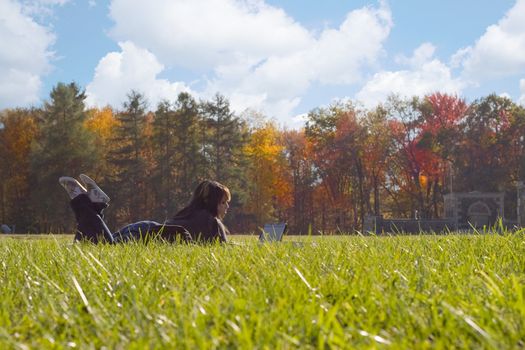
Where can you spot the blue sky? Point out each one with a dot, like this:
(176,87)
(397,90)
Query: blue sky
(281,58)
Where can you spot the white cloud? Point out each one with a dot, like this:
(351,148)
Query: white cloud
(505,95)
(254,53)
(18,88)
(24,55)
(337,56)
(40,9)
(340,54)
(421,55)
(299,120)
(521,100)
(499,51)
(206,33)
(425,75)
(132,68)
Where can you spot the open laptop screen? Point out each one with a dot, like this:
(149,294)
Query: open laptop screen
(273,232)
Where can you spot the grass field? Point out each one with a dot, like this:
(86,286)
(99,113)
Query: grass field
(405,292)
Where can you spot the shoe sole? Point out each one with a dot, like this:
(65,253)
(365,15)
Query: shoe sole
(89,181)
(69,183)
(63,180)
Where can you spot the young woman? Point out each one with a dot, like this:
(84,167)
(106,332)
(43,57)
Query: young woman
(199,221)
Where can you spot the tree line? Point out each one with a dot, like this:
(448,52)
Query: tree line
(347,162)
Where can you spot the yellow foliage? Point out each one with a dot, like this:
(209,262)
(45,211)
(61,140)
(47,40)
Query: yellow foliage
(101,122)
(268,172)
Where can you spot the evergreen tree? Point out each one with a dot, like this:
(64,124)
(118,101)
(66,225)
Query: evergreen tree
(164,150)
(227,135)
(65,147)
(189,158)
(223,147)
(128,160)
(177,153)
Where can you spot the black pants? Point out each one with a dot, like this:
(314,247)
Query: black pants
(91,226)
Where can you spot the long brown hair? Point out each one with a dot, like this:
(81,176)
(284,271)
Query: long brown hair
(207,195)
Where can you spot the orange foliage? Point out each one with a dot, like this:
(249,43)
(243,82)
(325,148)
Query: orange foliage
(20,130)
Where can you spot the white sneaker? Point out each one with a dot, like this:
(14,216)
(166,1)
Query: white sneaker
(72,186)
(94,192)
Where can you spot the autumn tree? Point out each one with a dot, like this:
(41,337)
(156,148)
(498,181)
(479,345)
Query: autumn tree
(303,180)
(320,133)
(439,137)
(18,130)
(516,136)
(425,133)
(483,162)
(102,123)
(335,135)
(269,187)
(377,148)
(489,154)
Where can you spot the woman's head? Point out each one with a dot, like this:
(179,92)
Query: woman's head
(212,196)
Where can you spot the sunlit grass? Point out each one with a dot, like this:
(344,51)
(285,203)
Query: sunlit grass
(404,292)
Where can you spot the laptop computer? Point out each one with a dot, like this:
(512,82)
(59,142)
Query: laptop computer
(273,232)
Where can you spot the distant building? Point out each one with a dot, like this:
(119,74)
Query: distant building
(463,211)
(475,209)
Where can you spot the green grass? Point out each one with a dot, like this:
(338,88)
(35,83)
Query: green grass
(453,291)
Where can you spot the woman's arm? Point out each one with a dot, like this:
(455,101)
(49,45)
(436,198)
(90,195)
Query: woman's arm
(220,231)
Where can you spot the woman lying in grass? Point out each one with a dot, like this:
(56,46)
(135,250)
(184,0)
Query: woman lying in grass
(199,221)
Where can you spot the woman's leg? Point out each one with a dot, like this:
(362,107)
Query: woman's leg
(137,231)
(90,225)
(147,230)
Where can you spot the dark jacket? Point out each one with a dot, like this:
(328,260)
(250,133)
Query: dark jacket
(199,226)
(202,226)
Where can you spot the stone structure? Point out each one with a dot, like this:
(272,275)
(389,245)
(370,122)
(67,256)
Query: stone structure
(380,225)
(474,209)
(521,204)
(462,212)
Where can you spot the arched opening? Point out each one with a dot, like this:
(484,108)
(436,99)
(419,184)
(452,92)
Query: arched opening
(478,214)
